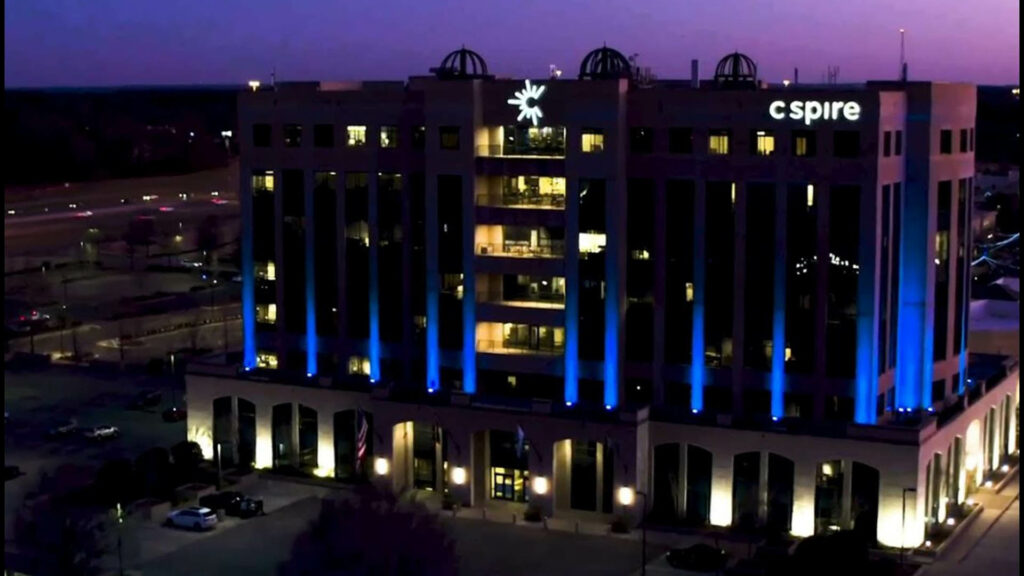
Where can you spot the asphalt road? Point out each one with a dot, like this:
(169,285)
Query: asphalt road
(39,400)
(255,548)
(51,223)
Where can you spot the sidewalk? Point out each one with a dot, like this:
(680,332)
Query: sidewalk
(962,552)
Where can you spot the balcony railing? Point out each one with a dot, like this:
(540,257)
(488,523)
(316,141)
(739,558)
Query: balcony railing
(546,303)
(510,151)
(512,200)
(509,347)
(514,250)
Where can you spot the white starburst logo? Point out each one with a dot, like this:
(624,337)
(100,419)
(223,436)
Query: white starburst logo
(527,101)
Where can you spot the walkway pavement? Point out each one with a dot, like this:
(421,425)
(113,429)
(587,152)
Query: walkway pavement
(991,545)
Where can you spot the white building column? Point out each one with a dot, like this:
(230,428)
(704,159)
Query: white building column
(721,489)
(804,477)
(264,435)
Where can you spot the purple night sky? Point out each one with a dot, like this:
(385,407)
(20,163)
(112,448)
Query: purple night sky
(109,42)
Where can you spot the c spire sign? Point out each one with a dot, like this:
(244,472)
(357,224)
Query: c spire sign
(528,102)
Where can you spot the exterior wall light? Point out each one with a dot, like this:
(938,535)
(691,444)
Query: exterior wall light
(254,85)
(540,485)
(626,496)
(381,466)
(458,475)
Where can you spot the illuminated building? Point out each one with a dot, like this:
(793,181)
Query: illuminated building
(547,290)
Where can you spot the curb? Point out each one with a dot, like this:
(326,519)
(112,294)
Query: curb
(1006,479)
(959,530)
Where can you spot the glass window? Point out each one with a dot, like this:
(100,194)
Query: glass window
(946,142)
(509,484)
(356,136)
(532,141)
(591,140)
(764,143)
(266,313)
(419,137)
(449,137)
(266,360)
(805,144)
(358,366)
(899,143)
(591,243)
(887,144)
(718,142)
(680,140)
(263,181)
(323,136)
(292,135)
(265,270)
(641,140)
(261,135)
(846,144)
(972,140)
(389,136)
(963,140)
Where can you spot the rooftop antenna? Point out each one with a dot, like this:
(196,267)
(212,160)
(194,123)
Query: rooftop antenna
(903,54)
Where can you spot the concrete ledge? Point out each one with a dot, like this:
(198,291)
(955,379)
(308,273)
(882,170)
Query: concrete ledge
(959,530)
(1007,479)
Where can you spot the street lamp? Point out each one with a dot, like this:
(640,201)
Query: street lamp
(903,524)
(627,496)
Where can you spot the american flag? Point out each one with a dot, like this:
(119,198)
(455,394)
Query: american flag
(361,432)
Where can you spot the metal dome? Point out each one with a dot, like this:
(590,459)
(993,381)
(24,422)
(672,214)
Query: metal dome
(462,63)
(605,62)
(736,70)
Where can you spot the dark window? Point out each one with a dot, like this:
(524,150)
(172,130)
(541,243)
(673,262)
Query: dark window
(883,284)
(942,269)
(963,140)
(805,143)
(292,135)
(938,391)
(801,277)
(846,144)
(449,137)
(641,140)
(759,267)
(972,139)
(680,140)
(843,243)
(887,144)
(946,142)
(325,253)
(592,224)
(419,137)
(640,215)
(679,287)
(720,223)
(261,135)
(894,293)
(357,254)
(963,250)
(323,136)
(294,256)
(899,143)
(391,281)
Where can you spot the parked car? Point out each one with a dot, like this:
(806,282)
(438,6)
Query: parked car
(233,504)
(194,517)
(148,399)
(102,432)
(175,414)
(11,472)
(63,429)
(699,558)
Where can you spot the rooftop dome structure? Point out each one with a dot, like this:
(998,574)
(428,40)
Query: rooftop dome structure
(462,64)
(605,63)
(736,71)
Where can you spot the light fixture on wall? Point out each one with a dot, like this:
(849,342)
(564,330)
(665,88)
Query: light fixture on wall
(540,485)
(381,466)
(626,495)
(458,475)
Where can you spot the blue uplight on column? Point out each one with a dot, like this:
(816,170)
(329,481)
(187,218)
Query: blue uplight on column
(373,346)
(312,343)
(248,284)
(778,376)
(911,379)
(469,327)
(433,351)
(697,339)
(611,330)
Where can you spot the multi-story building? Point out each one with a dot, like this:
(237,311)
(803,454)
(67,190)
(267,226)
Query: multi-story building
(746,301)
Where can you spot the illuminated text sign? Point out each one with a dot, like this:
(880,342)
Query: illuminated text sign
(812,110)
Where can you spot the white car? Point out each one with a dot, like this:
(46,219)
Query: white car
(102,432)
(195,517)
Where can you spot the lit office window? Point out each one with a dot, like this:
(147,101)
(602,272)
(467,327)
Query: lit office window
(449,137)
(810,195)
(266,360)
(592,243)
(804,143)
(263,181)
(389,136)
(591,140)
(358,366)
(764,143)
(689,291)
(266,313)
(718,142)
(356,136)
(266,271)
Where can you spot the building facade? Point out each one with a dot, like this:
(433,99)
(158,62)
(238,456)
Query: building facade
(746,301)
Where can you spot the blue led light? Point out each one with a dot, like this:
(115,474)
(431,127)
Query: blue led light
(569,404)
(694,410)
(775,418)
(607,406)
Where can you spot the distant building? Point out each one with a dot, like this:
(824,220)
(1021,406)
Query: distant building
(746,301)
